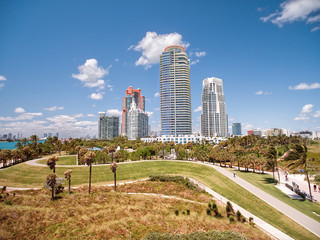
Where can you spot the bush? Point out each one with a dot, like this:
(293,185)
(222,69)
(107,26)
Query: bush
(231,219)
(188,212)
(208,211)
(177,179)
(176,212)
(238,214)
(196,236)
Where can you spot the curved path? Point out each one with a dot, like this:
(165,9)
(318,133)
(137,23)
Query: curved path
(305,221)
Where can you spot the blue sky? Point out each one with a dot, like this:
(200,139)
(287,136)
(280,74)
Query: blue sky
(61,62)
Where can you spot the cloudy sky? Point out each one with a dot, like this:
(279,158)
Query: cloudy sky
(61,62)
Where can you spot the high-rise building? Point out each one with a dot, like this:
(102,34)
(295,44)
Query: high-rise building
(236,129)
(137,122)
(214,119)
(132,95)
(175,96)
(108,126)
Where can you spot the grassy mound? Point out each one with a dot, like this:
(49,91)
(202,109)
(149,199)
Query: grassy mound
(106,214)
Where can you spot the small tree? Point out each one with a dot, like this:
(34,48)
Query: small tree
(51,162)
(113,168)
(88,159)
(51,182)
(67,175)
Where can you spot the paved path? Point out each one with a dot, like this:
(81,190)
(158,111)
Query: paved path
(305,221)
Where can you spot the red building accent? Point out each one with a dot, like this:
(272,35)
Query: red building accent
(131,94)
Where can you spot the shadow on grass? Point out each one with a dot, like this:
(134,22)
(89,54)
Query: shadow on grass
(270,180)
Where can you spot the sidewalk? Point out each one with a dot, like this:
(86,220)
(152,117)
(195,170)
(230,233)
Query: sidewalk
(305,221)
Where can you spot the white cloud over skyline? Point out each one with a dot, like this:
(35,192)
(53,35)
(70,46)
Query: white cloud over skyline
(115,112)
(305,86)
(153,44)
(54,108)
(96,96)
(198,109)
(295,10)
(306,113)
(90,74)
(2,78)
(157,94)
(260,92)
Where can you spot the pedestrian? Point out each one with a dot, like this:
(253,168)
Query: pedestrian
(319,188)
(234,173)
(315,187)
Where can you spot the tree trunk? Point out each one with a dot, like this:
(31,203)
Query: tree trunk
(90,179)
(308,184)
(273,172)
(238,165)
(69,186)
(253,168)
(115,181)
(278,175)
(52,192)
(112,156)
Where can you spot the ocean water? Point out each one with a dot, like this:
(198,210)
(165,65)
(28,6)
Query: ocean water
(11,145)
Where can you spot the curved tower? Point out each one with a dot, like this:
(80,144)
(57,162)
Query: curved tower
(175,96)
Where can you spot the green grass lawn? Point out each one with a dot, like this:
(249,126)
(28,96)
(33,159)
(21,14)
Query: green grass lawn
(23,175)
(265,183)
(64,160)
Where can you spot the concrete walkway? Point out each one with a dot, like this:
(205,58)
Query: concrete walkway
(305,221)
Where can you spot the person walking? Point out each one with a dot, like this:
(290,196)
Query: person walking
(234,173)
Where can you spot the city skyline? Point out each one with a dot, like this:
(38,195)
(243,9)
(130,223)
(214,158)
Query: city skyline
(63,62)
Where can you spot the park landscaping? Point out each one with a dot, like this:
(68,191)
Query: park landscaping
(105,214)
(24,175)
(265,182)
(63,160)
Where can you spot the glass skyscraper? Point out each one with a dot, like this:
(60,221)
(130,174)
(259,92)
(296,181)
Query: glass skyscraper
(108,127)
(137,122)
(175,96)
(214,119)
(236,129)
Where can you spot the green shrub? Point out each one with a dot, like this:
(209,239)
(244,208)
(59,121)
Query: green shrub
(231,219)
(317,178)
(188,212)
(238,214)
(212,235)
(177,179)
(208,211)
(176,212)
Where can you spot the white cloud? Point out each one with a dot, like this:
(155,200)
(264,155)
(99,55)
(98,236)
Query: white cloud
(90,115)
(23,116)
(153,44)
(62,119)
(2,78)
(115,112)
(157,94)
(198,109)
(260,92)
(150,114)
(315,29)
(19,110)
(305,86)
(314,19)
(91,74)
(54,108)
(157,109)
(306,112)
(200,54)
(96,96)
(195,62)
(317,114)
(294,10)
(307,108)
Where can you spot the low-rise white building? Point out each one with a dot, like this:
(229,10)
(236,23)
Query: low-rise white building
(184,139)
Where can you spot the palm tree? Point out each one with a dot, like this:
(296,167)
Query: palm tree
(113,168)
(51,162)
(5,155)
(273,157)
(298,159)
(67,175)
(51,182)
(88,160)
(111,150)
(59,146)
